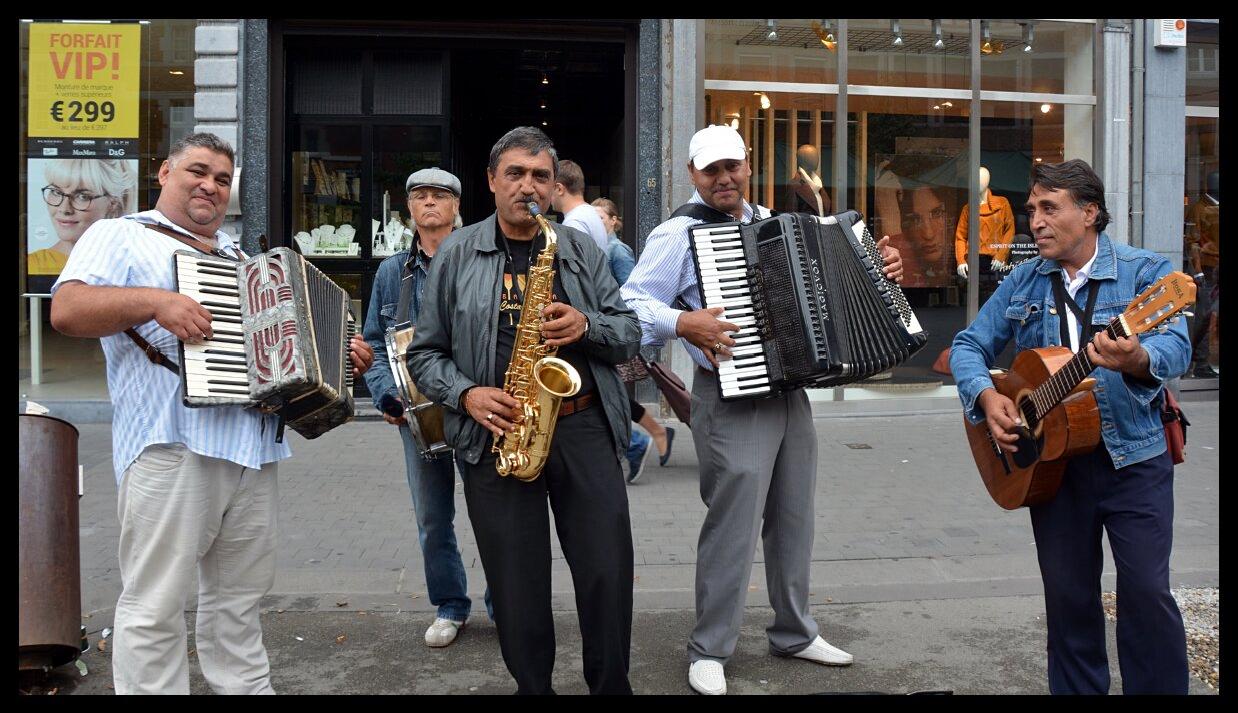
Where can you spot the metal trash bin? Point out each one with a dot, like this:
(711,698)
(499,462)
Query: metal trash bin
(48,572)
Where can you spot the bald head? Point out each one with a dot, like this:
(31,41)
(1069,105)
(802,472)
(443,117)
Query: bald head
(807,157)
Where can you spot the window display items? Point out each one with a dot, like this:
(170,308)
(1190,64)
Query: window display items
(923,241)
(328,240)
(996,231)
(805,191)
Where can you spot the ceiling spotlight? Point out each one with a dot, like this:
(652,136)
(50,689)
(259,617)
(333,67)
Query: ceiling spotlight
(937,32)
(898,33)
(545,79)
(1044,108)
(937,106)
(949,104)
(764,100)
(773,34)
(1028,32)
(543,103)
(987,46)
(545,123)
(1039,159)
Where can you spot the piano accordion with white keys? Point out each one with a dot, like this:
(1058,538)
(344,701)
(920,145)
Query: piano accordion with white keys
(280,343)
(813,306)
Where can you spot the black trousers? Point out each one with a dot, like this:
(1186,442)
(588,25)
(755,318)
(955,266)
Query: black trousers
(585,487)
(1135,506)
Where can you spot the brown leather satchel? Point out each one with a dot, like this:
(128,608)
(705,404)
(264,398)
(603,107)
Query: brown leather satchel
(1175,426)
(672,387)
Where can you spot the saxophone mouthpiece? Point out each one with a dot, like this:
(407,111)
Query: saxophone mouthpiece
(534,210)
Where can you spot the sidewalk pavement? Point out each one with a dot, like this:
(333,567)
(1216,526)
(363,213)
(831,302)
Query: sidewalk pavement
(915,571)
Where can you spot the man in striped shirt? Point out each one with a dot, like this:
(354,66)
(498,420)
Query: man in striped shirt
(196,487)
(757,459)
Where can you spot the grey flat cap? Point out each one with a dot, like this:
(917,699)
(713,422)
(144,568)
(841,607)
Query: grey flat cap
(434,177)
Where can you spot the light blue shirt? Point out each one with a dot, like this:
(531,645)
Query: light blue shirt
(585,218)
(665,272)
(146,398)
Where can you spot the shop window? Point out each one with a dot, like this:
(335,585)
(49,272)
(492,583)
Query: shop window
(932,53)
(326,191)
(796,51)
(408,83)
(1036,56)
(327,84)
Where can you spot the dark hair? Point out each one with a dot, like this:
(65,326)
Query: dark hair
(530,139)
(202,140)
(1076,177)
(572,178)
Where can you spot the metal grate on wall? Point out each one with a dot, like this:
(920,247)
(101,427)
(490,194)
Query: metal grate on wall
(408,83)
(327,84)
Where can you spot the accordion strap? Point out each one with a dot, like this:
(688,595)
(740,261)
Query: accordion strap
(700,211)
(156,356)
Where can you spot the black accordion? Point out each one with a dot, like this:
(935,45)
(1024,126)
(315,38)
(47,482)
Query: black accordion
(280,343)
(812,304)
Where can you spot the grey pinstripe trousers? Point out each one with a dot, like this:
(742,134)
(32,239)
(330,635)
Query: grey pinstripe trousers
(758,470)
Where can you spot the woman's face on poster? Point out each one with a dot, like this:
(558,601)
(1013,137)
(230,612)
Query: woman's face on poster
(925,225)
(78,208)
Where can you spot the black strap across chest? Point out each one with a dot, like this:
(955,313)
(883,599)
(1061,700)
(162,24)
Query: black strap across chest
(1084,315)
(700,211)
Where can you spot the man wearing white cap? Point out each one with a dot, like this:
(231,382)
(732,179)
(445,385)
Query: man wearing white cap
(758,459)
(399,285)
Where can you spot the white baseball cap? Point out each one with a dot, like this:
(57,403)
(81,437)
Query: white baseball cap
(714,143)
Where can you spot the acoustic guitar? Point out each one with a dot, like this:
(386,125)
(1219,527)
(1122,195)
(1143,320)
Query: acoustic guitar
(1052,391)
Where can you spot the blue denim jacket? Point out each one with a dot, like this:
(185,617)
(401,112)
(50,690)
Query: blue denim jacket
(1023,308)
(620,257)
(384,300)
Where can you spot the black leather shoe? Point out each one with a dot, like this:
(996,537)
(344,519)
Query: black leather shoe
(670,441)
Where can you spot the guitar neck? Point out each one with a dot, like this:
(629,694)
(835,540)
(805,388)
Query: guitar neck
(1049,394)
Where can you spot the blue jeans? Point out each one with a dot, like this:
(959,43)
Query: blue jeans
(433,483)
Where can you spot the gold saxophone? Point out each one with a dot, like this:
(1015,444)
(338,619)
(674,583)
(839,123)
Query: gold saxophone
(535,377)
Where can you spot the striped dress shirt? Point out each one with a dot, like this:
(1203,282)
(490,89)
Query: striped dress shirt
(146,398)
(663,273)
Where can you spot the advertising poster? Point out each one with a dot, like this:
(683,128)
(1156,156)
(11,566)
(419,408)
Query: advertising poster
(82,135)
(65,197)
(84,80)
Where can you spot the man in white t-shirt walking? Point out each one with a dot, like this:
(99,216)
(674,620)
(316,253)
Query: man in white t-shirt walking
(569,199)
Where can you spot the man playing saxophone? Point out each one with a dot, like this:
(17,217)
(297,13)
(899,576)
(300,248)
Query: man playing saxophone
(468,337)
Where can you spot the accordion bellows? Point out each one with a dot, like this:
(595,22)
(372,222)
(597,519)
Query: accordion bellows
(813,306)
(291,346)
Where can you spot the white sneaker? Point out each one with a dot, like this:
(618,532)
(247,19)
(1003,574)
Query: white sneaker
(442,632)
(706,677)
(819,651)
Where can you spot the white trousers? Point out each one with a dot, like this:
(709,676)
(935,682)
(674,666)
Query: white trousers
(180,511)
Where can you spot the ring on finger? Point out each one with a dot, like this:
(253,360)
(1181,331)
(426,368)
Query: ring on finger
(719,346)
(489,417)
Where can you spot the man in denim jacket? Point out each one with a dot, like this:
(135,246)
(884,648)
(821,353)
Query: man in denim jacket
(434,205)
(1126,485)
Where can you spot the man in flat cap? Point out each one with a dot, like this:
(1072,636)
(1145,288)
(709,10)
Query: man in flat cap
(434,204)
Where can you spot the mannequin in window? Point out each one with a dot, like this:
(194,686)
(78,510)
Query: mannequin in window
(805,191)
(996,231)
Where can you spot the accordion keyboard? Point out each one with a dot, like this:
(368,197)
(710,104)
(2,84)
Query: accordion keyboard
(724,283)
(216,368)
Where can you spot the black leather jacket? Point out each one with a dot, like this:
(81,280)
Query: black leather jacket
(454,345)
